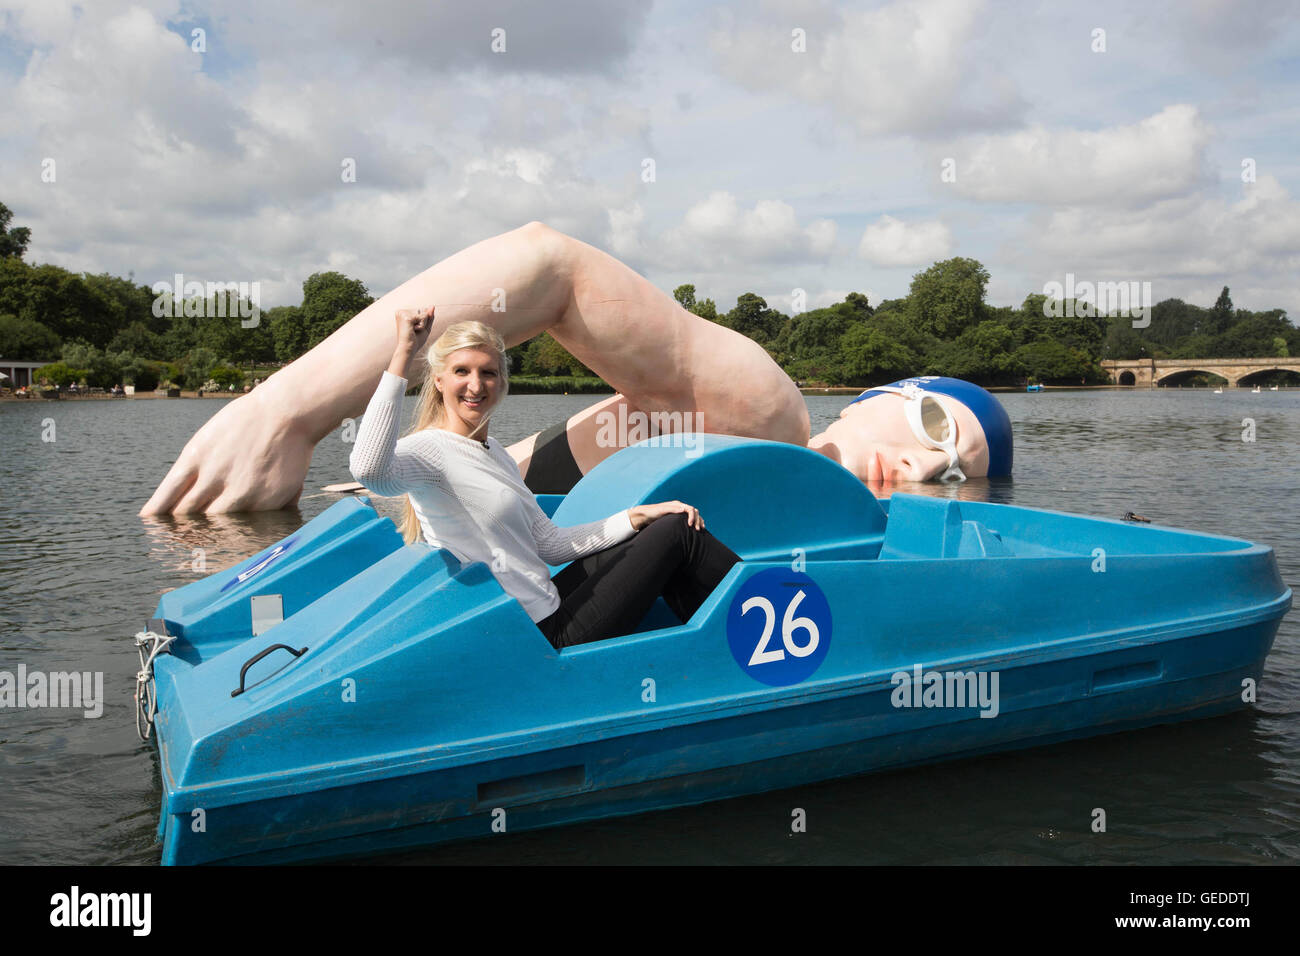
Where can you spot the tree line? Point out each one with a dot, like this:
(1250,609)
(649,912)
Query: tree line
(104,329)
(944,326)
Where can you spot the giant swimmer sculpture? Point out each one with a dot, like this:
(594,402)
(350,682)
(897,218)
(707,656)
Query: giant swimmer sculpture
(665,363)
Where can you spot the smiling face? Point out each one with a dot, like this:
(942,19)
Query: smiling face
(470,384)
(873,440)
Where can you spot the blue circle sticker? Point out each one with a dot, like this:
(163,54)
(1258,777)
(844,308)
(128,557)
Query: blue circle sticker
(779,627)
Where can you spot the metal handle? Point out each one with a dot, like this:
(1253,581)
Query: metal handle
(257,657)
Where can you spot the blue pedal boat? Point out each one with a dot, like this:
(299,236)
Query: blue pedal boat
(342,694)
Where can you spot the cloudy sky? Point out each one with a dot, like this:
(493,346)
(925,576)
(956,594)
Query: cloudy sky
(755,146)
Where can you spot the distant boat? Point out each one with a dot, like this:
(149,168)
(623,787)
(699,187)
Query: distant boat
(1272,388)
(1218,391)
(1033,388)
(345,487)
(1255,390)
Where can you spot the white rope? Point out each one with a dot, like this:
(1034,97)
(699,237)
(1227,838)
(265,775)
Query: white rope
(146,699)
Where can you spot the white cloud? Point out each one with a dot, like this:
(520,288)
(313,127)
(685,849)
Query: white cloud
(163,168)
(892,242)
(718,228)
(1219,33)
(908,67)
(576,37)
(624,231)
(226,165)
(1188,248)
(1162,155)
(529,165)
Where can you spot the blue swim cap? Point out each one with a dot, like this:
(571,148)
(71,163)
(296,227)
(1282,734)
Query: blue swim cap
(988,412)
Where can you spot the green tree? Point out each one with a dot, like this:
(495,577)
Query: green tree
(871,356)
(1173,320)
(182,334)
(137,339)
(900,328)
(59,374)
(225,376)
(288,331)
(141,373)
(984,354)
(329,301)
(809,345)
(1195,346)
(1124,342)
(1048,361)
(858,306)
(1292,338)
(1221,315)
(196,367)
(1253,334)
(704,308)
(887,306)
(223,331)
(752,318)
(545,356)
(24,340)
(13,242)
(515,357)
(100,369)
(707,309)
(948,298)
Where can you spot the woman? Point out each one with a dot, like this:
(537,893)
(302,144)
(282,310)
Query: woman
(465,494)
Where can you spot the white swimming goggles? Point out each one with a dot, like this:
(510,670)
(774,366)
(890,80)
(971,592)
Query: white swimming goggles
(931,421)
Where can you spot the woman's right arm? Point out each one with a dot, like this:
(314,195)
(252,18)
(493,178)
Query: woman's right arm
(375,461)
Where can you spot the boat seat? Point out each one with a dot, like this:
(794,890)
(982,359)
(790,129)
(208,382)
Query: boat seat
(923,527)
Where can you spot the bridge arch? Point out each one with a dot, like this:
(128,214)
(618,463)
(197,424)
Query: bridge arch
(1178,377)
(1261,375)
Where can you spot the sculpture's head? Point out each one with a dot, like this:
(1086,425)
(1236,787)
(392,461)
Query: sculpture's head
(921,428)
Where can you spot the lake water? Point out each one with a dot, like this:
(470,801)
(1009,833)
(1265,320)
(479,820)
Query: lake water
(80,572)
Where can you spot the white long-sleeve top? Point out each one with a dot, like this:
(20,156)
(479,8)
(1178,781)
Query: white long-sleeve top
(470,499)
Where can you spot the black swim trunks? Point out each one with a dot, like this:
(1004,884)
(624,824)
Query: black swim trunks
(552,469)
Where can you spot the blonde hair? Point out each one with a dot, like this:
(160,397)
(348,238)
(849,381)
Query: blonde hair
(431,411)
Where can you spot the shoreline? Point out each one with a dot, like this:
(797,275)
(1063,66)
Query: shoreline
(148,396)
(805,390)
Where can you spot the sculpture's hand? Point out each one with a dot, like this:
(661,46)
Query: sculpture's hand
(250,456)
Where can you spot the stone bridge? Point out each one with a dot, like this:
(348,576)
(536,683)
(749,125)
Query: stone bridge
(1149,372)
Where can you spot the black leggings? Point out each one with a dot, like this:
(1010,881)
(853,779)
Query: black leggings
(606,594)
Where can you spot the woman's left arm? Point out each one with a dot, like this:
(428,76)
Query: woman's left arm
(557,545)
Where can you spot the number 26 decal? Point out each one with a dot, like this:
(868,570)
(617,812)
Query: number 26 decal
(794,601)
(788,627)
